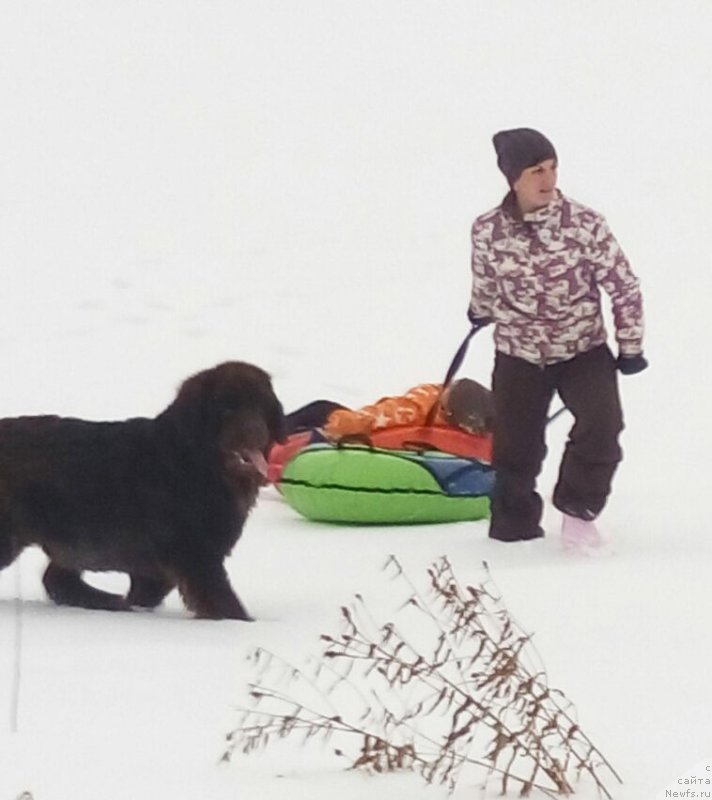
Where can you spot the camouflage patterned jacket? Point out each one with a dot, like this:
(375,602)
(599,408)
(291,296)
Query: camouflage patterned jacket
(537,277)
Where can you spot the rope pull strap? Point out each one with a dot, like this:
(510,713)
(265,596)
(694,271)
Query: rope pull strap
(455,365)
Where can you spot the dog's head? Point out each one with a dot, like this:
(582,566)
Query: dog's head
(231,408)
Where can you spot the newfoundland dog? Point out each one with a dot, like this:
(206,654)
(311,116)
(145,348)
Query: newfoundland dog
(162,499)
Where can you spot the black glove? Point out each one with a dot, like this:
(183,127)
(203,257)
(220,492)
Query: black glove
(475,321)
(629,365)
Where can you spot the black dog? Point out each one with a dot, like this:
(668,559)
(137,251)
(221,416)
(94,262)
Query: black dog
(162,499)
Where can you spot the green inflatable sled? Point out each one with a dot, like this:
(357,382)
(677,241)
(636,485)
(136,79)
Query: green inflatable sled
(371,486)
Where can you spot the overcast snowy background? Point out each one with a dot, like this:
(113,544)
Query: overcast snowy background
(293,184)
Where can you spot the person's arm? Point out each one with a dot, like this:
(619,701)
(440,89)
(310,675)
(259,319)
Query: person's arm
(344,422)
(613,273)
(484,283)
(409,409)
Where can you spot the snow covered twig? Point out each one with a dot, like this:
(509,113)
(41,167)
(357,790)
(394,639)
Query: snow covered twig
(454,691)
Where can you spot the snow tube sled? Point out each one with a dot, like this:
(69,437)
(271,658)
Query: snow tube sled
(280,454)
(375,486)
(402,437)
(435,437)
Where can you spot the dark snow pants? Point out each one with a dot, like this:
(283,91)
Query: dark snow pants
(313,415)
(588,386)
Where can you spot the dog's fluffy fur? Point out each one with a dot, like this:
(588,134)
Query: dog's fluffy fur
(162,499)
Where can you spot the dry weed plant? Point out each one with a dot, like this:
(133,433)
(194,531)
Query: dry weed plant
(460,695)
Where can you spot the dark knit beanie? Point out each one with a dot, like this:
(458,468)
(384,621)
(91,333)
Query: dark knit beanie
(519,149)
(469,405)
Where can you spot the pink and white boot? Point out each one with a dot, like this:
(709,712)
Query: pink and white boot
(580,536)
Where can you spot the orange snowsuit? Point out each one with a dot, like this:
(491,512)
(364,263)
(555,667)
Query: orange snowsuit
(412,408)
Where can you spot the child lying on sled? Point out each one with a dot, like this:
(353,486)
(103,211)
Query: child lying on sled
(465,404)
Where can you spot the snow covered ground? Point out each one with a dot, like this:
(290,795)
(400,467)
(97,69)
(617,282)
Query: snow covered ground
(292,184)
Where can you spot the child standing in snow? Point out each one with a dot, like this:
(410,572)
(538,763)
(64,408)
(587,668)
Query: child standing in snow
(538,262)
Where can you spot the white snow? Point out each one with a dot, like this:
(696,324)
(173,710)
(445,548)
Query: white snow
(292,184)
